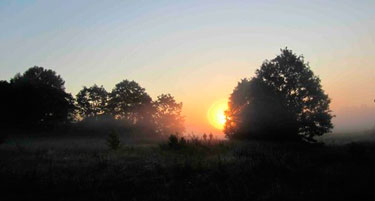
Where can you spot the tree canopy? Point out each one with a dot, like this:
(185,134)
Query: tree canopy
(284,101)
(92,101)
(168,116)
(129,101)
(37,99)
(38,76)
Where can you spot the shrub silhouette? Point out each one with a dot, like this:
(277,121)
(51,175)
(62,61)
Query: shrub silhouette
(113,141)
(284,101)
(176,143)
(173,141)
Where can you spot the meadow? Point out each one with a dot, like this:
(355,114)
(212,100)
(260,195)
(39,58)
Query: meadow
(85,168)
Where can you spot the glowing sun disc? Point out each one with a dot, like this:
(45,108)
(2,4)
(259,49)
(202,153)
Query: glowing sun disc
(215,114)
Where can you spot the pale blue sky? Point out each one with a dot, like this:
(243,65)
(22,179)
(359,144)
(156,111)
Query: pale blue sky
(196,50)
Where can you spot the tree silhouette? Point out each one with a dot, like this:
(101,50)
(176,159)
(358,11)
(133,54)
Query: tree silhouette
(38,99)
(284,101)
(6,116)
(92,101)
(129,101)
(38,76)
(168,117)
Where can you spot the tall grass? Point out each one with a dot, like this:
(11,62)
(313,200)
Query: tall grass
(189,168)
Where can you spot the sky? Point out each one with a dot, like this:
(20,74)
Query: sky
(195,50)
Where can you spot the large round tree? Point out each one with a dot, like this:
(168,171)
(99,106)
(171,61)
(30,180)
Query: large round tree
(38,99)
(284,101)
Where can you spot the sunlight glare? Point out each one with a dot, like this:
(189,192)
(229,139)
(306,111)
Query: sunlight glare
(216,114)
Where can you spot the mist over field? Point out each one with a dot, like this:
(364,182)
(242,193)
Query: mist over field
(187,100)
(351,119)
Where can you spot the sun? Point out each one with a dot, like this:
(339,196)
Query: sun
(215,114)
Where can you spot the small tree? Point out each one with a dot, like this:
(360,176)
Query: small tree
(284,100)
(173,141)
(113,141)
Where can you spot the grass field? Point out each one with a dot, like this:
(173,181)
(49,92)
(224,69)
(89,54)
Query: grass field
(83,168)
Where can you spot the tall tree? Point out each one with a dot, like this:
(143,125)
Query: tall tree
(284,100)
(129,101)
(39,99)
(92,101)
(168,118)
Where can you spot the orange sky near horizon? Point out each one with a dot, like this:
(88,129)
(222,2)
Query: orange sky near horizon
(196,50)
(351,92)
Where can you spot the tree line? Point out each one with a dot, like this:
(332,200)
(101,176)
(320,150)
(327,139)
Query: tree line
(283,101)
(37,100)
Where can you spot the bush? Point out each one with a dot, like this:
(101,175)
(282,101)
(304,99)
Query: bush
(191,145)
(113,141)
(174,142)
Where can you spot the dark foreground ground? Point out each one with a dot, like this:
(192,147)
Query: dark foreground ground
(84,169)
